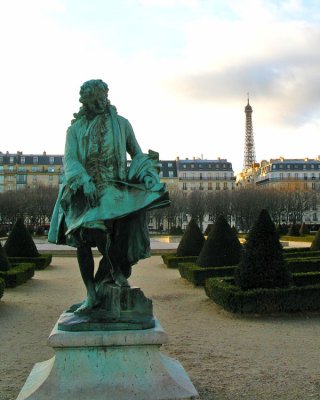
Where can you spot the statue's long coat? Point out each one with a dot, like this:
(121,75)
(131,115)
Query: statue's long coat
(136,197)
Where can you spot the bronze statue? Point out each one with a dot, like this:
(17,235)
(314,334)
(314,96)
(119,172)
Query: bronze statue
(103,201)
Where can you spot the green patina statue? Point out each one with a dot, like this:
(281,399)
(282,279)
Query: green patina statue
(103,200)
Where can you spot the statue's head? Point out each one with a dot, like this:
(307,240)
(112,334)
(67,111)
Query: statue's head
(94,96)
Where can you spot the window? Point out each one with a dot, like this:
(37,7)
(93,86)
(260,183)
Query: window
(288,166)
(34,178)
(315,217)
(184,186)
(169,165)
(35,160)
(296,175)
(274,167)
(11,159)
(170,174)
(21,169)
(209,185)
(1,160)
(280,166)
(201,186)
(200,176)
(50,178)
(192,165)
(217,185)
(312,166)
(184,166)
(161,174)
(209,165)
(304,166)
(217,166)
(10,168)
(22,160)
(51,160)
(184,175)
(313,186)
(200,166)
(50,169)
(225,186)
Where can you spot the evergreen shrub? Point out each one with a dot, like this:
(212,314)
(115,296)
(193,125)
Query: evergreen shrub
(293,230)
(191,241)
(315,245)
(2,286)
(172,261)
(304,265)
(221,248)
(262,263)
(208,229)
(197,275)
(20,242)
(302,254)
(4,262)
(304,230)
(18,274)
(40,262)
(262,300)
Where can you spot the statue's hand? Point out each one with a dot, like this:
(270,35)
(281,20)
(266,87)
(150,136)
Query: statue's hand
(90,191)
(149,182)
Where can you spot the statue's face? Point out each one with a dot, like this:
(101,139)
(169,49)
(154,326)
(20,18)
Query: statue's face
(97,102)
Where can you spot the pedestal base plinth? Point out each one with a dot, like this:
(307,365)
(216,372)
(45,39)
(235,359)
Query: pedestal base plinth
(108,365)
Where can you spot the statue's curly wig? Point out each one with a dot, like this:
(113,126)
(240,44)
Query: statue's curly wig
(86,91)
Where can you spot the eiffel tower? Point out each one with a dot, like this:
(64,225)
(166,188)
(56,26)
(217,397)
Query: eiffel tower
(249,151)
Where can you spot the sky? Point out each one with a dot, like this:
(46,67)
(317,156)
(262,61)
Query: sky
(178,70)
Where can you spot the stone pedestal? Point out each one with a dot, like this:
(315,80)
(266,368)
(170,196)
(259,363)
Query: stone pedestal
(108,365)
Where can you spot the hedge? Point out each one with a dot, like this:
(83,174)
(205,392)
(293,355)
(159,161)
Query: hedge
(302,254)
(2,286)
(290,299)
(306,278)
(172,261)
(304,265)
(197,275)
(18,274)
(41,262)
(296,250)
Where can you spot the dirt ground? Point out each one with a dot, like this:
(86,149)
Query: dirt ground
(226,356)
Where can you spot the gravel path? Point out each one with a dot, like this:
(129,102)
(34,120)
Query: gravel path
(226,356)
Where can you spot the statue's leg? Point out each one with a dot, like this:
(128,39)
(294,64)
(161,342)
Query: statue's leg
(118,277)
(86,265)
(103,273)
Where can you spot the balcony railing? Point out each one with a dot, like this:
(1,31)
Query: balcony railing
(206,178)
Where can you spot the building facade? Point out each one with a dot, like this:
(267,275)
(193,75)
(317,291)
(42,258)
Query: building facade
(291,175)
(29,171)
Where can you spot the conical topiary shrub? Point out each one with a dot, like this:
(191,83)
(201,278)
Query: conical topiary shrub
(304,230)
(4,262)
(315,245)
(191,242)
(293,230)
(20,242)
(208,229)
(262,264)
(222,247)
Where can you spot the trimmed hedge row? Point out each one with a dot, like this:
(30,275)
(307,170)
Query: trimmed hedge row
(301,254)
(172,261)
(296,250)
(304,265)
(306,278)
(291,299)
(41,262)
(18,274)
(2,286)
(197,275)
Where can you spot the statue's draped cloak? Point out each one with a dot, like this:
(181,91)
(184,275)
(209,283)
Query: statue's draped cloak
(123,198)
